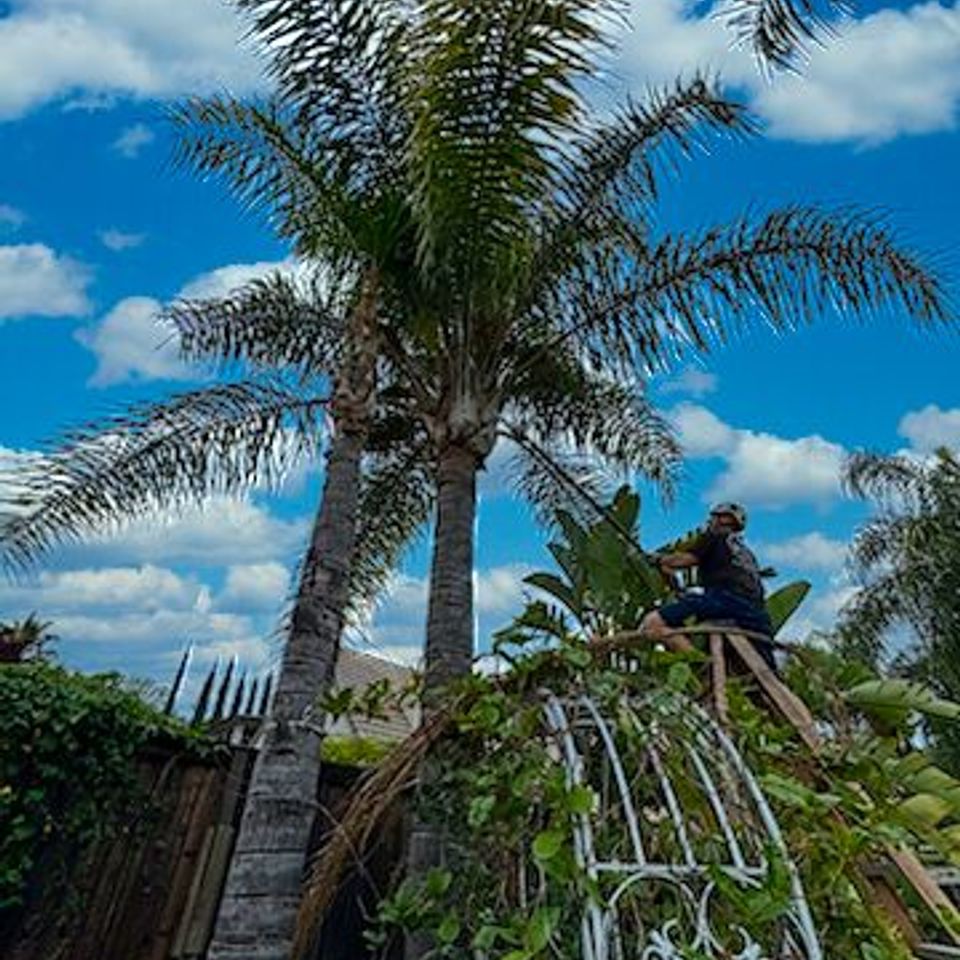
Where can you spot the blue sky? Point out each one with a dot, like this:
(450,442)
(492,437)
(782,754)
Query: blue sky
(97,231)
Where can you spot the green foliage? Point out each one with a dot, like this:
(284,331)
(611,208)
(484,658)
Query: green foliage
(354,751)
(68,769)
(513,887)
(782,604)
(607,582)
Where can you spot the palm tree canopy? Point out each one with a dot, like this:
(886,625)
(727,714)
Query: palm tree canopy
(907,559)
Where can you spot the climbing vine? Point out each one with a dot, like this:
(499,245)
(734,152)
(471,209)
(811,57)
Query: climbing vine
(68,766)
(511,884)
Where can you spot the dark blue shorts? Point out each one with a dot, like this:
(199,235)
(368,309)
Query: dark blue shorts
(714,605)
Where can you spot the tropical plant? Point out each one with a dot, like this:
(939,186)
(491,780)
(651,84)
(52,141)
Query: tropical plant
(607,582)
(907,562)
(539,220)
(26,639)
(514,885)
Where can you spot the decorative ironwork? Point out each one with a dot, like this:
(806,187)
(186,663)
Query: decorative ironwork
(680,827)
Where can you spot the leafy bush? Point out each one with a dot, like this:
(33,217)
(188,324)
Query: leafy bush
(68,765)
(512,886)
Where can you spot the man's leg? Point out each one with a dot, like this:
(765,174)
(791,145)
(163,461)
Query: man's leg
(658,630)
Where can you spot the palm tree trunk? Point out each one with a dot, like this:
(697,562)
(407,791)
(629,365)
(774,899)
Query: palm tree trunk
(450,634)
(257,915)
(449,651)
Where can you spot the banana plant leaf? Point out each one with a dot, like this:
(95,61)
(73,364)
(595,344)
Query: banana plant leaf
(782,604)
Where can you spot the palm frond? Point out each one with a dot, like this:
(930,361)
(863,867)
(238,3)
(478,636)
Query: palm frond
(562,403)
(619,160)
(271,165)
(498,96)
(396,503)
(224,439)
(338,64)
(787,269)
(559,480)
(873,476)
(274,322)
(781,32)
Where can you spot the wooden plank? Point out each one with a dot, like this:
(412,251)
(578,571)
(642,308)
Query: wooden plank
(933,897)
(198,931)
(783,699)
(886,897)
(178,947)
(795,711)
(718,678)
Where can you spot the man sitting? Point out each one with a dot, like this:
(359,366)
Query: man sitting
(730,577)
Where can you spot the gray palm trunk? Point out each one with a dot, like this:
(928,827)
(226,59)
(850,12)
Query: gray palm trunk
(450,635)
(449,649)
(257,916)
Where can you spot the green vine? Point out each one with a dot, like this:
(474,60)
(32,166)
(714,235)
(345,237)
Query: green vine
(68,766)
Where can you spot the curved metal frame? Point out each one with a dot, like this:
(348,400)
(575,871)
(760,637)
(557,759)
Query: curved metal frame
(718,766)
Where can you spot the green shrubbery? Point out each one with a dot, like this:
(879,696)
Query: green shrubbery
(68,765)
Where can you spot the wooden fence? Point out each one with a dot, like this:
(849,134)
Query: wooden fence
(152,891)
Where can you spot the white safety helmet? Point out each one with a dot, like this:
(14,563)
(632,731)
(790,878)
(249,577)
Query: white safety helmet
(734,510)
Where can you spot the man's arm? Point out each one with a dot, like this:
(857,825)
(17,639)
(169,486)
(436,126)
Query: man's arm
(677,561)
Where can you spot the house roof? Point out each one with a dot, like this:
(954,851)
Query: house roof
(357,671)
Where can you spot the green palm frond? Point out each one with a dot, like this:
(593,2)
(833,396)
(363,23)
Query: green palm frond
(225,439)
(564,404)
(338,64)
(790,267)
(396,503)
(619,160)
(275,322)
(497,94)
(271,165)
(781,32)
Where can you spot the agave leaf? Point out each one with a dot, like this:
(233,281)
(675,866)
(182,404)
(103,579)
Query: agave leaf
(782,604)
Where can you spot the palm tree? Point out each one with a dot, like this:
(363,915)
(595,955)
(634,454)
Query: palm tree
(539,221)
(907,560)
(22,640)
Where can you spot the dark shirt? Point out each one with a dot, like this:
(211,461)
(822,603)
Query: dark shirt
(727,563)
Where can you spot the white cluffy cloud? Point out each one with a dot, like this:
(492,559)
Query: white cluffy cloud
(133,139)
(810,551)
(118,241)
(761,468)
(130,343)
(889,73)
(54,49)
(930,428)
(226,532)
(36,281)
(255,586)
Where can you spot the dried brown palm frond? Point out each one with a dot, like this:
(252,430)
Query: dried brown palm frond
(367,806)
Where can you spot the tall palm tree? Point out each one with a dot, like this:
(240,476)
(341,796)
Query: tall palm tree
(907,560)
(906,557)
(539,219)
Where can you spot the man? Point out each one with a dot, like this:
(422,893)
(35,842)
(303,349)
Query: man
(730,577)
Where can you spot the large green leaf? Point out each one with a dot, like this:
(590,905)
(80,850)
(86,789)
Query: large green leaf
(557,589)
(892,700)
(782,604)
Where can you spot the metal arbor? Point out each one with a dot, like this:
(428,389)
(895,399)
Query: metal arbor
(680,837)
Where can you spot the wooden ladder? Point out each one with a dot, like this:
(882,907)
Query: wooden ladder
(795,712)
